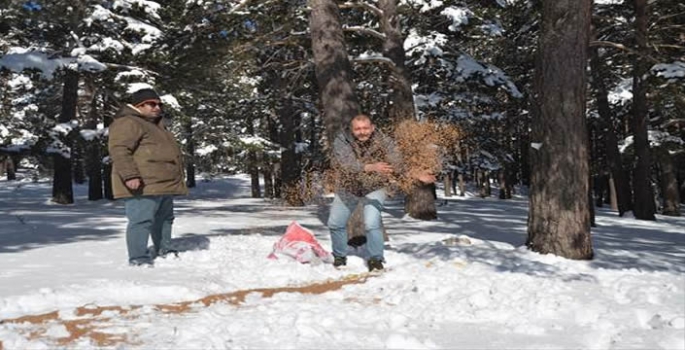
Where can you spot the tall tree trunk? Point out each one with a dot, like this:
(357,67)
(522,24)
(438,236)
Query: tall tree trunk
(333,69)
(333,75)
(62,190)
(613,156)
(401,104)
(107,165)
(3,164)
(504,184)
(274,170)
(613,197)
(290,167)
(589,202)
(524,147)
(190,152)
(278,182)
(645,208)
(93,148)
(559,215)
(77,161)
(252,165)
(12,165)
(419,203)
(669,183)
(447,184)
(267,172)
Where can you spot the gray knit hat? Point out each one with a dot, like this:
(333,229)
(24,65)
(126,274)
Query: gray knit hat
(143,95)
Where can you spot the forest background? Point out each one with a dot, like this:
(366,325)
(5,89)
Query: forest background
(570,99)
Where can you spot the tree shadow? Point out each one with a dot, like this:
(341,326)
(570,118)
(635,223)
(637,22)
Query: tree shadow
(509,261)
(619,243)
(26,224)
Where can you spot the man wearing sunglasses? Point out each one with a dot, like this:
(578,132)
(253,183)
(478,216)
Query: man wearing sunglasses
(147,171)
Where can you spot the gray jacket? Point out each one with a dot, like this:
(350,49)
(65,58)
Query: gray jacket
(349,156)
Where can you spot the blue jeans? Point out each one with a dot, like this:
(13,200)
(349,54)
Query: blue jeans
(148,216)
(343,206)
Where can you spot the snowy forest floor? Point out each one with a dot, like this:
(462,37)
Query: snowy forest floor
(65,280)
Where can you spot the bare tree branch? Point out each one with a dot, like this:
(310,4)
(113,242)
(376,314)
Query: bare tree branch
(364,30)
(375,59)
(621,47)
(362,4)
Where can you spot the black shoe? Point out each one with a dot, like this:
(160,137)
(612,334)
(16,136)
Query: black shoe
(142,262)
(164,253)
(375,264)
(339,261)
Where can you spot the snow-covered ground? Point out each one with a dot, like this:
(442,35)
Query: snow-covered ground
(67,266)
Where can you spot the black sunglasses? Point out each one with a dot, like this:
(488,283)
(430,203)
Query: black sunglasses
(153,104)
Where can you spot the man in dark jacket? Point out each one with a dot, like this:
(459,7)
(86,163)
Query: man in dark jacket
(147,171)
(365,160)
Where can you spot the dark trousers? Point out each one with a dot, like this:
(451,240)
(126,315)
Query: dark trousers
(148,216)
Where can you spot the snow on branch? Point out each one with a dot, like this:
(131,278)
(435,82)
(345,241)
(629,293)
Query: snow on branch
(467,67)
(256,142)
(238,6)
(372,57)
(458,15)
(670,71)
(18,59)
(426,5)
(364,30)
(656,139)
(427,45)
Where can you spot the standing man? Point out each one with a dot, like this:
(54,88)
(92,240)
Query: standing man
(365,160)
(147,171)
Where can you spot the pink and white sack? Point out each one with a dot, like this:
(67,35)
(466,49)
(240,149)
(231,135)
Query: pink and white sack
(299,244)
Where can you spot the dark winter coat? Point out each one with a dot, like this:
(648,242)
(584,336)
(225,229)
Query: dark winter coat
(142,148)
(350,155)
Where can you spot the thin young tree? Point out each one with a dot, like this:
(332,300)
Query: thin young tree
(645,208)
(559,216)
(62,190)
(619,184)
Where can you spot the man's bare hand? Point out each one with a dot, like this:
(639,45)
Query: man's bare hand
(134,184)
(380,167)
(426,178)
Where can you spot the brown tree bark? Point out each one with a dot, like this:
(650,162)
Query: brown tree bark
(190,152)
(559,215)
(401,98)
(62,190)
(645,208)
(504,184)
(669,183)
(93,147)
(420,203)
(252,164)
(267,173)
(11,169)
(447,184)
(78,167)
(290,174)
(623,195)
(332,67)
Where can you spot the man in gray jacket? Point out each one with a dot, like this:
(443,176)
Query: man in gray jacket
(364,160)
